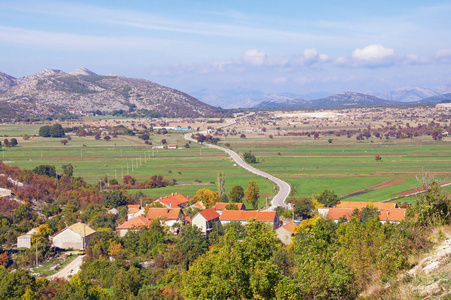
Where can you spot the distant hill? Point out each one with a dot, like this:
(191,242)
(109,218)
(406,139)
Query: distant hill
(412,93)
(437,99)
(51,91)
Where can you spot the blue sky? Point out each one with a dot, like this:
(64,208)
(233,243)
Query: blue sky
(273,46)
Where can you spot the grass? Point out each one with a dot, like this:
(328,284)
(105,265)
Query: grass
(44,268)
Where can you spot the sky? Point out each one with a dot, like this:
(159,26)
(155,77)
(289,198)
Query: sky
(272,46)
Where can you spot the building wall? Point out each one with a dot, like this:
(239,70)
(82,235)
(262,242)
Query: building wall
(284,235)
(68,239)
(24,241)
(200,222)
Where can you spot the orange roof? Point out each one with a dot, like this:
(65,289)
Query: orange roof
(137,222)
(130,206)
(337,213)
(209,214)
(173,200)
(243,215)
(133,210)
(290,226)
(172,145)
(360,205)
(394,215)
(167,213)
(199,205)
(222,205)
(188,220)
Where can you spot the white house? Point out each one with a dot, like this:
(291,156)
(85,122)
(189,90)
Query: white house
(76,236)
(132,224)
(24,241)
(205,220)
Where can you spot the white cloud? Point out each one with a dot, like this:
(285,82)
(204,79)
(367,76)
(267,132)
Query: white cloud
(254,57)
(279,80)
(373,55)
(443,55)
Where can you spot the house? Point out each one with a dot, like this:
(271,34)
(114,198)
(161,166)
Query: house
(243,216)
(132,224)
(172,146)
(24,241)
(75,236)
(5,192)
(173,201)
(198,205)
(221,206)
(445,132)
(285,232)
(169,216)
(134,210)
(360,205)
(335,213)
(392,215)
(205,220)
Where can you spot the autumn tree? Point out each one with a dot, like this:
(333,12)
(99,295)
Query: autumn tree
(251,194)
(378,158)
(207,197)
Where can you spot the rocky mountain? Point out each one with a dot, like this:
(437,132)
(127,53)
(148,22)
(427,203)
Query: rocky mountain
(437,99)
(283,103)
(350,99)
(51,91)
(412,93)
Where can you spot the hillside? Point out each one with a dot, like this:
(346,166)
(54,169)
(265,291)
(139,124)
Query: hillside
(51,91)
(437,99)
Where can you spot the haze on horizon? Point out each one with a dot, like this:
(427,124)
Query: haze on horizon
(285,46)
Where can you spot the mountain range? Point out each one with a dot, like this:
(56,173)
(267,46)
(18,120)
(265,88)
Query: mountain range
(54,91)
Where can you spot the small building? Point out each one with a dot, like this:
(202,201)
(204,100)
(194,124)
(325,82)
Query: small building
(243,216)
(221,206)
(198,205)
(172,146)
(75,236)
(132,224)
(392,215)
(5,193)
(205,220)
(169,216)
(335,213)
(285,232)
(24,241)
(134,210)
(173,201)
(360,205)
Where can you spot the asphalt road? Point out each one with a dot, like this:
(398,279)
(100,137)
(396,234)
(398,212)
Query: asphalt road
(284,188)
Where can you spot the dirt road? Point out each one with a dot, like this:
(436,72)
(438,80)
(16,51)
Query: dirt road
(71,269)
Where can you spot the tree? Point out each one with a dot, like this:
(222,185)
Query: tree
(249,157)
(303,207)
(64,142)
(25,137)
(200,138)
(251,194)
(221,184)
(44,131)
(68,170)
(56,130)
(191,244)
(207,197)
(243,136)
(328,198)
(433,206)
(163,141)
(114,198)
(316,135)
(13,142)
(6,143)
(45,170)
(107,138)
(378,158)
(236,194)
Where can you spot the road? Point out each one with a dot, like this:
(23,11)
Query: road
(284,188)
(71,269)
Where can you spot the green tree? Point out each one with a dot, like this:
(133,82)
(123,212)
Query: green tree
(251,194)
(45,170)
(13,142)
(433,206)
(236,194)
(68,170)
(44,131)
(328,198)
(249,157)
(303,207)
(221,184)
(13,285)
(127,284)
(191,244)
(25,137)
(56,130)
(114,198)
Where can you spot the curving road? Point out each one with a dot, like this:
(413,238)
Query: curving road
(284,188)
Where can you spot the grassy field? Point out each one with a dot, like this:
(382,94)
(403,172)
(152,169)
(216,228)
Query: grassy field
(347,165)
(129,155)
(310,166)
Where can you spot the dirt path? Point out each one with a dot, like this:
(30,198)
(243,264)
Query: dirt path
(71,269)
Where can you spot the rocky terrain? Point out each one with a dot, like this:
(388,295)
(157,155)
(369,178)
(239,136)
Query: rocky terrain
(51,91)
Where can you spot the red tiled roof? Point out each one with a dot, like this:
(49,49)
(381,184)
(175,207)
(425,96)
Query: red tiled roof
(188,220)
(337,213)
(243,215)
(173,200)
(209,214)
(199,205)
(360,205)
(133,210)
(167,213)
(222,205)
(137,222)
(290,226)
(393,215)
(130,206)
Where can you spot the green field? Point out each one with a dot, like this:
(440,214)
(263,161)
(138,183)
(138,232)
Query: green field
(309,165)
